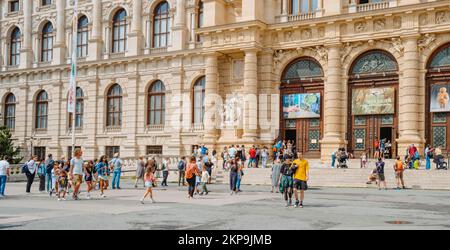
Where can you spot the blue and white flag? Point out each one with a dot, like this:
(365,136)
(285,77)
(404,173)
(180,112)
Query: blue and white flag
(71,98)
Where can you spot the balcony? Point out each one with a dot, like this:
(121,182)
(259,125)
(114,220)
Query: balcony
(154,128)
(298,17)
(197,127)
(354,7)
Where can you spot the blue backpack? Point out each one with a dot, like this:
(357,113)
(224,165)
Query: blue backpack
(24,168)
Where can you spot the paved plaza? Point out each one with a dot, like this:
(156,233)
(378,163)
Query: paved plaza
(255,208)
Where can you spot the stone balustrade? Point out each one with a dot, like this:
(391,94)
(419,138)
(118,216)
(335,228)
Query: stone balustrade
(372,6)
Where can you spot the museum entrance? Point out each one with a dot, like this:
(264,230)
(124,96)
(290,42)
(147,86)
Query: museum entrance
(373,104)
(302,105)
(437,112)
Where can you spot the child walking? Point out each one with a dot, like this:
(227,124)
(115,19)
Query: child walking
(55,175)
(149,179)
(88,177)
(63,182)
(204,181)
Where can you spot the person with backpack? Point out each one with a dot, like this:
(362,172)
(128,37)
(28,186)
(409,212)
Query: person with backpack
(380,173)
(181,171)
(42,173)
(30,169)
(116,165)
(399,169)
(49,164)
(191,176)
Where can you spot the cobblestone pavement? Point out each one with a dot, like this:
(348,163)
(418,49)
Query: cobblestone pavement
(255,208)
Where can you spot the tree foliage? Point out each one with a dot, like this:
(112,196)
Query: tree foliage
(7,146)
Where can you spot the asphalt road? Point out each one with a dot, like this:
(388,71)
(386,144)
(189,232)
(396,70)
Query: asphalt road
(255,208)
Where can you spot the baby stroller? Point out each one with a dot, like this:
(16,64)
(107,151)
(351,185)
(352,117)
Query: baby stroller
(342,161)
(441,164)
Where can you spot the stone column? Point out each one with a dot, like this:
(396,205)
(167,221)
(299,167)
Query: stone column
(408,97)
(136,35)
(95,42)
(91,121)
(23,119)
(250,135)
(211,97)
(179,30)
(174,113)
(54,123)
(334,107)
(26,52)
(129,125)
(60,43)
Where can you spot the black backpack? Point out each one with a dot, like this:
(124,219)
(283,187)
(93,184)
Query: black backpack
(24,168)
(181,165)
(49,166)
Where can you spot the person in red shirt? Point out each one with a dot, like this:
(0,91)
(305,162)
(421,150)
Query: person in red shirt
(376,145)
(252,153)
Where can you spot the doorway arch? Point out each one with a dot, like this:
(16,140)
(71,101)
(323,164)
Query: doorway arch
(302,90)
(437,118)
(373,104)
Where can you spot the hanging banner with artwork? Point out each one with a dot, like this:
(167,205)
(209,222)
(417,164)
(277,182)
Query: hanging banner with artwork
(373,101)
(297,106)
(439,98)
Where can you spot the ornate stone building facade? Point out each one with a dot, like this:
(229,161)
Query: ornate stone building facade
(161,76)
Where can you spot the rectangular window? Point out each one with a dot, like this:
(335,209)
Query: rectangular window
(154,150)
(39,152)
(46,2)
(14,6)
(111,150)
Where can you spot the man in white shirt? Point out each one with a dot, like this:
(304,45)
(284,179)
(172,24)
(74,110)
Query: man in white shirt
(4,174)
(31,173)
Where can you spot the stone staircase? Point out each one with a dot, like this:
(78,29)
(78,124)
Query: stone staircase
(353,177)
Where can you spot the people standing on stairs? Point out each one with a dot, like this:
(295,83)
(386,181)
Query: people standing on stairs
(209,167)
(429,151)
(275,176)
(264,157)
(364,157)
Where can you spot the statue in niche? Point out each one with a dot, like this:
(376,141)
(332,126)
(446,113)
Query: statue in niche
(232,111)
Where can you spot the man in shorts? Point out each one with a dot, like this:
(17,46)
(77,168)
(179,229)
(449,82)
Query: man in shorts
(380,172)
(301,177)
(399,169)
(76,172)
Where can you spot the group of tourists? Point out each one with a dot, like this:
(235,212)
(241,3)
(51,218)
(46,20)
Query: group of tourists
(289,177)
(378,174)
(257,156)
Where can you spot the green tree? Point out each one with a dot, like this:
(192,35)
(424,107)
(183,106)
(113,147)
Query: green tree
(7,147)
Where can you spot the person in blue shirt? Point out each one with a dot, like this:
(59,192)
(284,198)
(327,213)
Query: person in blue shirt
(116,164)
(204,150)
(41,173)
(102,169)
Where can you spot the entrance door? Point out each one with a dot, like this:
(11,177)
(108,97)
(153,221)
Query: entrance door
(368,129)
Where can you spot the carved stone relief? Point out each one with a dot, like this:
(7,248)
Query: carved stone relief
(423,19)
(306,34)
(425,41)
(360,27)
(441,17)
(379,24)
(397,22)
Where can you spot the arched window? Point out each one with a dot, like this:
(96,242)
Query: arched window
(374,61)
(114,109)
(47,43)
(119,31)
(199,100)
(298,7)
(303,68)
(10,111)
(14,48)
(41,110)
(442,58)
(79,110)
(161,25)
(82,37)
(156,104)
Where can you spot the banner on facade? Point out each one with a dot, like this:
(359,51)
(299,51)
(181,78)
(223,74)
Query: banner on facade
(297,106)
(71,97)
(373,101)
(439,98)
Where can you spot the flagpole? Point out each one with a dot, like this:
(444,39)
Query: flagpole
(73,76)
